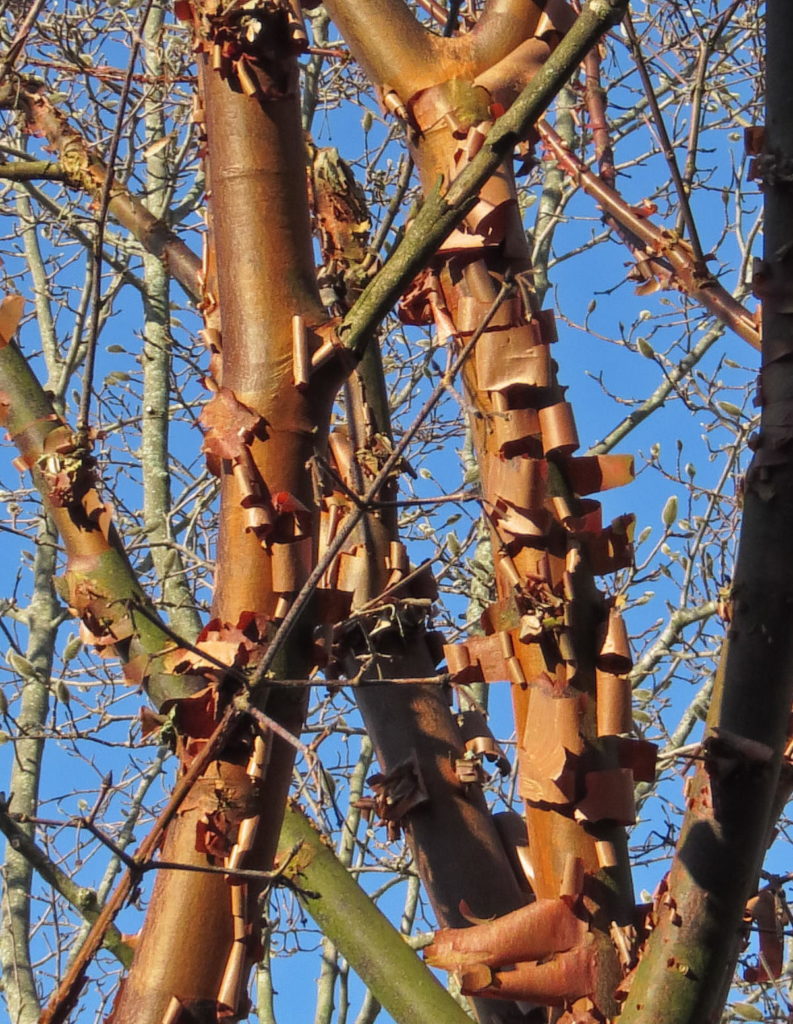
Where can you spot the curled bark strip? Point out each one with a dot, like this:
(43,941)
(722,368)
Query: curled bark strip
(479,739)
(565,978)
(762,910)
(608,797)
(397,793)
(230,425)
(614,654)
(590,474)
(530,933)
(613,704)
(514,838)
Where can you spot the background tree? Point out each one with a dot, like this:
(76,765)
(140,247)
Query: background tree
(677,85)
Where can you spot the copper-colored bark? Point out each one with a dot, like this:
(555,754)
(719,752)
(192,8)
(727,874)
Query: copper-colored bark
(534,931)
(457,850)
(261,431)
(546,538)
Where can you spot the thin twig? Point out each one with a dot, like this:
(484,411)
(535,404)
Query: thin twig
(20,38)
(691,275)
(84,900)
(663,136)
(695,117)
(98,254)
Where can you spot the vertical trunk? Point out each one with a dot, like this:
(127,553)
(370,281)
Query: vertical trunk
(548,632)
(42,612)
(456,848)
(260,260)
(405,722)
(685,972)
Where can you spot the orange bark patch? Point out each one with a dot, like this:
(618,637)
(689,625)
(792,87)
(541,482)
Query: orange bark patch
(531,933)
(230,426)
(568,976)
(762,910)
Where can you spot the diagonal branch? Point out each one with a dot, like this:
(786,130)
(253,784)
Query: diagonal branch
(82,899)
(656,244)
(85,170)
(377,951)
(100,582)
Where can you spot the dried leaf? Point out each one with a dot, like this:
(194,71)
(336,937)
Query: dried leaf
(149,721)
(746,1011)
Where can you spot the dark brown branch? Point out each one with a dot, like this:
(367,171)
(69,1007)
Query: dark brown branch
(686,970)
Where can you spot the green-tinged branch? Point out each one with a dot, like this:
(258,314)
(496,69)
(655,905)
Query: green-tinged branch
(377,952)
(99,583)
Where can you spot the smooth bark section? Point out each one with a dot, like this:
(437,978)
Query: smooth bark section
(685,972)
(402,57)
(265,276)
(375,949)
(395,50)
